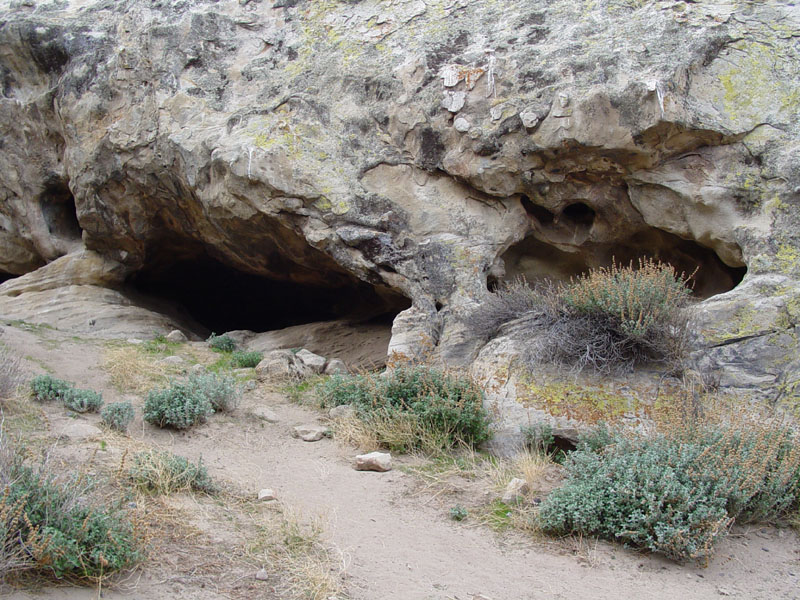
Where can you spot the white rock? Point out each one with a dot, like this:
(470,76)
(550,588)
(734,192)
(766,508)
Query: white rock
(374,461)
(278,364)
(449,75)
(454,101)
(265,414)
(515,491)
(198,369)
(529,118)
(79,430)
(267,494)
(135,341)
(262,575)
(343,411)
(177,336)
(335,366)
(461,125)
(497,111)
(313,362)
(309,433)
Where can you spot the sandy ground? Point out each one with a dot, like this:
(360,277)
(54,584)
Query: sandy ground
(392,541)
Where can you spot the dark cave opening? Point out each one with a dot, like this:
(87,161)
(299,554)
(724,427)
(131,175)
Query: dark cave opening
(6,277)
(221,298)
(540,213)
(579,214)
(536,260)
(58,210)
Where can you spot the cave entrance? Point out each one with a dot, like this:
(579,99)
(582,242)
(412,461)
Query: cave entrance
(220,298)
(536,260)
(59,213)
(5,277)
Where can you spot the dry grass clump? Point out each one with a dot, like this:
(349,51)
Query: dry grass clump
(392,431)
(133,371)
(12,377)
(607,320)
(164,473)
(309,568)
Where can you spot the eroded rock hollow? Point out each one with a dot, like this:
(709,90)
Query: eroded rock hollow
(251,164)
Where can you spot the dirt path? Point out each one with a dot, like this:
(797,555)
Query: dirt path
(395,543)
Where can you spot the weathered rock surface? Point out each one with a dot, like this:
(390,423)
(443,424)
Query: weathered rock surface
(309,433)
(265,414)
(78,430)
(310,361)
(374,461)
(515,491)
(418,156)
(267,495)
(177,336)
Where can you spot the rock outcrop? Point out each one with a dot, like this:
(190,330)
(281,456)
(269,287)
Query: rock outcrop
(366,155)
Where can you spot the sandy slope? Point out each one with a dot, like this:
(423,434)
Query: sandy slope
(395,543)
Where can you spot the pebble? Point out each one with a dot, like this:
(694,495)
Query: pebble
(267,495)
(262,575)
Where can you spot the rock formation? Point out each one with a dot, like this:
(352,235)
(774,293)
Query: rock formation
(291,160)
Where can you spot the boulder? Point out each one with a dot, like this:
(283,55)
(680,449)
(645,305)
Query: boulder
(278,364)
(78,430)
(374,461)
(515,491)
(581,134)
(177,336)
(265,414)
(336,367)
(310,433)
(310,361)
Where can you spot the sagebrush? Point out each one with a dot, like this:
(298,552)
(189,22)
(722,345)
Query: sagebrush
(676,493)
(416,398)
(179,406)
(118,415)
(46,388)
(220,390)
(55,526)
(609,319)
(164,473)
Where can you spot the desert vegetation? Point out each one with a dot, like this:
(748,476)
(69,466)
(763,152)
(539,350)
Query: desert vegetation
(411,407)
(676,491)
(58,525)
(608,320)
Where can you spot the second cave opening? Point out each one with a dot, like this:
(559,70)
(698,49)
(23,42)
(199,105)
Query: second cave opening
(220,298)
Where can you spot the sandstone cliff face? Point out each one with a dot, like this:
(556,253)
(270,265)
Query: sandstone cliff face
(380,152)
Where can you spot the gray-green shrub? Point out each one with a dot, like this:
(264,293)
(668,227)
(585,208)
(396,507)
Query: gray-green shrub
(82,401)
(180,405)
(118,415)
(46,388)
(221,343)
(164,473)
(56,526)
(676,493)
(220,390)
(445,403)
